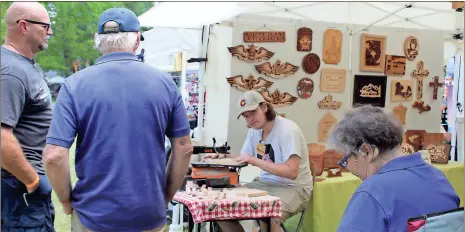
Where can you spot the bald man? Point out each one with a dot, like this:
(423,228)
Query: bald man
(26,114)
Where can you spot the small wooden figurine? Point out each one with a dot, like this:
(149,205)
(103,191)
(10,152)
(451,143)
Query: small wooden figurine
(435,84)
(325,125)
(333,80)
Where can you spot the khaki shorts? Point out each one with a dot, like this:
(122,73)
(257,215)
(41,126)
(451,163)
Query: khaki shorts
(76,225)
(294,199)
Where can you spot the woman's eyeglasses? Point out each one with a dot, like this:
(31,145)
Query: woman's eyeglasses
(343,162)
(47,26)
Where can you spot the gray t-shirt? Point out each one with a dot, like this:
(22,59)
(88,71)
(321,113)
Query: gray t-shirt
(284,140)
(26,104)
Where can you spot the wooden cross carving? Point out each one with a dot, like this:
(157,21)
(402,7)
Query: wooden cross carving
(420,74)
(435,84)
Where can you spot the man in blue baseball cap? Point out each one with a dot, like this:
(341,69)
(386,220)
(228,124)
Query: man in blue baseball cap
(120,109)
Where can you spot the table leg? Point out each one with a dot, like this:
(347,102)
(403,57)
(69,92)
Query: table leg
(190,226)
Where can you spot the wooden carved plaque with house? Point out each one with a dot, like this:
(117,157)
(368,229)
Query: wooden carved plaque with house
(325,125)
(333,80)
(395,65)
(400,112)
(332,46)
(264,36)
(401,90)
(372,53)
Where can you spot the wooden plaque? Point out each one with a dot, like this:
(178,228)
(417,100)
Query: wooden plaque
(420,105)
(264,36)
(332,46)
(415,138)
(250,54)
(373,53)
(304,39)
(401,90)
(435,85)
(400,112)
(329,103)
(331,159)
(407,149)
(278,99)
(325,125)
(439,153)
(370,89)
(432,138)
(333,80)
(249,83)
(411,47)
(315,152)
(305,88)
(395,65)
(276,70)
(311,63)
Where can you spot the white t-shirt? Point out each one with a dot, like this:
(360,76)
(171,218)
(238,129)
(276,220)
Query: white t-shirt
(284,140)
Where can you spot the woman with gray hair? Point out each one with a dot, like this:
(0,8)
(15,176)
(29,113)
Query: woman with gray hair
(395,187)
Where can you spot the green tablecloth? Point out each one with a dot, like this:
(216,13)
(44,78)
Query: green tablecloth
(331,196)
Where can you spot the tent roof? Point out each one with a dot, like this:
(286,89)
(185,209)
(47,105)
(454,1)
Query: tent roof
(421,15)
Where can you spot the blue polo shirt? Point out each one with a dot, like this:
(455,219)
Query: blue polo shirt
(403,188)
(120,109)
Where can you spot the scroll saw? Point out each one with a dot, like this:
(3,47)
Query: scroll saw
(215,173)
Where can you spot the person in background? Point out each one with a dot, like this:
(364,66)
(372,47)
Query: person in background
(141,55)
(395,187)
(120,109)
(277,146)
(26,114)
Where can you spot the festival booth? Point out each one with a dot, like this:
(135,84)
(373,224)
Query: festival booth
(313,61)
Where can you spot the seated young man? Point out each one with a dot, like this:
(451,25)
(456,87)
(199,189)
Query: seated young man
(277,146)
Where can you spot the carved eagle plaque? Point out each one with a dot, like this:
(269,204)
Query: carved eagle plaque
(249,83)
(278,99)
(276,70)
(250,54)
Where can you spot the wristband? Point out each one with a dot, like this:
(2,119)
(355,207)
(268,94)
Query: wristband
(36,180)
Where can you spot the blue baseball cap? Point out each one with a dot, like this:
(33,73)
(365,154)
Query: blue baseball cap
(126,19)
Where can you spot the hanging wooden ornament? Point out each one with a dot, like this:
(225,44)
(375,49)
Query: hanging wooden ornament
(305,88)
(435,84)
(264,36)
(304,39)
(333,80)
(276,70)
(411,47)
(325,125)
(329,103)
(278,99)
(373,53)
(400,112)
(250,54)
(395,65)
(311,63)
(439,153)
(420,73)
(332,46)
(401,90)
(249,83)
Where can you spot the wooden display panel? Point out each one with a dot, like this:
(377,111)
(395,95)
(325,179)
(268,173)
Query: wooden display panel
(372,53)
(401,90)
(333,80)
(395,65)
(332,46)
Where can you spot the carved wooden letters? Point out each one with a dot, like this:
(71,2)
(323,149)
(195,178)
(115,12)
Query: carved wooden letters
(264,36)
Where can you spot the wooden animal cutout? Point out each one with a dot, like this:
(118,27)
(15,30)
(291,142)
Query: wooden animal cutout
(415,138)
(373,53)
(435,84)
(304,39)
(439,153)
(277,70)
(311,63)
(329,103)
(325,125)
(333,80)
(420,105)
(249,83)
(250,54)
(401,90)
(278,99)
(400,112)
(305,88)
(411,48)
(395,65)
(332,46)
(407,149)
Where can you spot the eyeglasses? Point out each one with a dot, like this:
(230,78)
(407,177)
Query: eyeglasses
(343,162)
(47,25)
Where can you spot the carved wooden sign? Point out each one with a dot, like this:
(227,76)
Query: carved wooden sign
(249,83)
(370,89)
(331,159)
(329,103)
(420,73)
(432,138)
(325,125)
(311,63)
(264,36)
(250,54)
(400,112)
(276,70)
(401,90)
(435,84)
(373,53)
(415,138)
(407,149)
(304,39)
(395,65)
(278,99)
(305,88)
(439,153)
(315,152)
(333,80)
(411,48)
(332,46)
(316,148)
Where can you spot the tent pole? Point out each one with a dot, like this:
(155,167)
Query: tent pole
(202,67)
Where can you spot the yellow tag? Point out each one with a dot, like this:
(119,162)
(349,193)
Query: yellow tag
(260,149)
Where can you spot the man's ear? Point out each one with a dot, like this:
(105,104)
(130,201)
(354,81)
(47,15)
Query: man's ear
(137,42)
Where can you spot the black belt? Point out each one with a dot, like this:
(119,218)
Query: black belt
(5,173)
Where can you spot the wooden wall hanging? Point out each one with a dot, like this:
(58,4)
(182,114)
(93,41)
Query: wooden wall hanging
(370,89)
(332,46)
(311,63)
(276,70)
(264,36)
(373,53)
(250,54)
(411,48)
(400,113)
(305,88)
(415,138)
(329,103)
(333,80)
(315,152)
(278,99)
(439,153)
(407,149)
(249,83)
(432,138)
(331,159)
(401,90)
(304,39)
(325,125)
(420,73)
(395,65)
(435,84)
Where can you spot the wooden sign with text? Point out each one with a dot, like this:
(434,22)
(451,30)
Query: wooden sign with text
(264,36)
